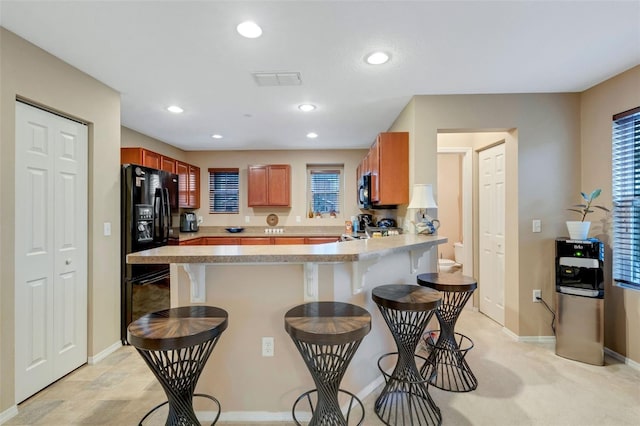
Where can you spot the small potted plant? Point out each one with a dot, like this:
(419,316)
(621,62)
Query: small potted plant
(579,229)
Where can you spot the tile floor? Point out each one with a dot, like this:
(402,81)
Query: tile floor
(519,384)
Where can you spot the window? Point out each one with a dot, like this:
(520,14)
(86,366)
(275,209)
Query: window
(223,191)
(324,189)
(626,198)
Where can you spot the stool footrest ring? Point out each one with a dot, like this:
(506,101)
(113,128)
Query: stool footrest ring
(332,419)
(202,395)
(447,368)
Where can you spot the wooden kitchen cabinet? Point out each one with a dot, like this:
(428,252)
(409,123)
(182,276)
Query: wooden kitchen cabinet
(269,185)
(388,163)
(221,241)
(192,242)
(255,241)
(288,240)
(188,185)
(188,174)
(168,164)
(141,156)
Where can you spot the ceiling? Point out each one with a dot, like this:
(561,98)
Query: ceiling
(188,53)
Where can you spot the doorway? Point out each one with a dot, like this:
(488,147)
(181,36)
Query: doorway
(51,211)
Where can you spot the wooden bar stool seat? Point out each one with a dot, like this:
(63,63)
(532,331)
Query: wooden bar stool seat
(327,335)
(176,343)
(447,368)
(405,398)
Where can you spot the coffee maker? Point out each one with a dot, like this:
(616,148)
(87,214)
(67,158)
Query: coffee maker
(188,222)
(365,220)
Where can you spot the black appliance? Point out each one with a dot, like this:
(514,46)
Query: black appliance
(364,192)
(148,198)
(364,220)
(580,300)
(188,222)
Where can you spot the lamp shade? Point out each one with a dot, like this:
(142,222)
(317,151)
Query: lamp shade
(422,197)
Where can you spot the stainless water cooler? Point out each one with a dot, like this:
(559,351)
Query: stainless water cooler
(580,300)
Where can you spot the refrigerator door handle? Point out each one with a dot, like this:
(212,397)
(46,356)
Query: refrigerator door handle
(167,213)
(158,220)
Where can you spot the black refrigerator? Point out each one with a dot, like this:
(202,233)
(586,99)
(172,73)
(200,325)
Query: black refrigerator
(149,201)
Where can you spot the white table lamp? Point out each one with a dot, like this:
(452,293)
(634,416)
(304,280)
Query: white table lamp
(422,199)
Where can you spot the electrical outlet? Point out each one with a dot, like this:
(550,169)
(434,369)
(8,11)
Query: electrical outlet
(536,295)
(267,346)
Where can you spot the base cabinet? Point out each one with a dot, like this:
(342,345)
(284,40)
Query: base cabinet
(244,241)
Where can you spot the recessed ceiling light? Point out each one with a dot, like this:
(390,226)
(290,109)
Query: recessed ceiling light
(249,29)
(377,58)
(312,135)
(175,109)
(306,107)
(216,136)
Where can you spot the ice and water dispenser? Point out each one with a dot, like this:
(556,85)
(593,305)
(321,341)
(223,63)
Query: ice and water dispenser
(580,300)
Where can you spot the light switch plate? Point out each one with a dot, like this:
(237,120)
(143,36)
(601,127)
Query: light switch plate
(536,226)
(247,219)
(106,229)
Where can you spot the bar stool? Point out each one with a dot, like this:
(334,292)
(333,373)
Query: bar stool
(327,335)
(176,343)
(447,368)
(405,398)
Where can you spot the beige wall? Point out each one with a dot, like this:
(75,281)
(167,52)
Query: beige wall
(599,104)
(32,74)
(542,171)
(299,205)
(131,138)
(449,195)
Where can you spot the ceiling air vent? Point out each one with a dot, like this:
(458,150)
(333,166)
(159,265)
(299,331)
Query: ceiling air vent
(289,78)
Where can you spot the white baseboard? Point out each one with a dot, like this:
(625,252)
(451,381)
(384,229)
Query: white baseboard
(615,355)
(103,354)
(268,416)
(528,339)
(8,413)
(537,339)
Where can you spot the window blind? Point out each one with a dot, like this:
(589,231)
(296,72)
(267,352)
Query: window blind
(224,191)
(626,198)
(324,185)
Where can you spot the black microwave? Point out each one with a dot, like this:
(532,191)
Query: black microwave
(364,192)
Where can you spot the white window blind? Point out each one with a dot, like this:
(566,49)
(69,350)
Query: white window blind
(324,188)
(224,190)
(626,198)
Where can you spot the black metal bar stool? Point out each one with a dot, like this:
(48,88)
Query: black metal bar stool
(176,343)
(405,398)
(327,335)
(447,368)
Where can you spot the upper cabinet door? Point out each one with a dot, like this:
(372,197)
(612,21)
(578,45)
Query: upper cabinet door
(168,164)
(183,183)
(279,185)
(194,187)
(258,190)
(269,185)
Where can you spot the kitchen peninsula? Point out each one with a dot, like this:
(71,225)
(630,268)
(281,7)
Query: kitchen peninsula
(258,284)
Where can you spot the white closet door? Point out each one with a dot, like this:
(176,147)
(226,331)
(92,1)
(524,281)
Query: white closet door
(50,248)
(492,230)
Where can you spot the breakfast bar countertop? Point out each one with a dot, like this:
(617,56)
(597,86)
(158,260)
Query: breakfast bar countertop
(347,251)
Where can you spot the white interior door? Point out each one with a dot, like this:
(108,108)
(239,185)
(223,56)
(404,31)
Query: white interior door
(50,248)
(492,227)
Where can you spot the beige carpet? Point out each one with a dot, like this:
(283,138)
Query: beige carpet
(519,384)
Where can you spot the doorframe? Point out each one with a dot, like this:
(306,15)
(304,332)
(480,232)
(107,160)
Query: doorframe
(467,203)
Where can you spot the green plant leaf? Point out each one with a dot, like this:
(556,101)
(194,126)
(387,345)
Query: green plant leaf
(584,196)
(595,194)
